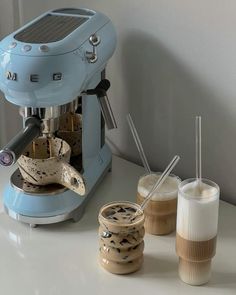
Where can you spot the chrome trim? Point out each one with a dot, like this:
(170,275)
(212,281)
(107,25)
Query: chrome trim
(18,183)
(12,157)
(36,220)
(49,115)
(107,112)
(11,76)
(51,112)
(94,40)
(92,56)
(75,214)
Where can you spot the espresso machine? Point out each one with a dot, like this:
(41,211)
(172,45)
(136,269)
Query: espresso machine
(53,65)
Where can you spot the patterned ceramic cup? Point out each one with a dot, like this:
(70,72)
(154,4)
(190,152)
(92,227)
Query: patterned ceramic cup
(46,160)
(121,235)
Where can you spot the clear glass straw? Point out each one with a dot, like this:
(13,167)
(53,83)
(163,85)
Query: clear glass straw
(138,144)
(160,181)
(198,148)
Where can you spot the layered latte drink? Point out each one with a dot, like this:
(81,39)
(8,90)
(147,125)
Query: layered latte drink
(121,235)
(160,212)
(197,220)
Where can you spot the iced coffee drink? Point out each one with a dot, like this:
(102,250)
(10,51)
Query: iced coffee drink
(160,212)
(121,235)
(197,220)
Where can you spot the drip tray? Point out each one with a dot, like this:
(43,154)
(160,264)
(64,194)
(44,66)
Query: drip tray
(18,182)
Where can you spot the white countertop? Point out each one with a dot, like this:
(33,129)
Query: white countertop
(62,258)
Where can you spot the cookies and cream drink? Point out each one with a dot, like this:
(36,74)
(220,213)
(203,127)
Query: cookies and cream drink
(160,213)
(197,220)
(121,235)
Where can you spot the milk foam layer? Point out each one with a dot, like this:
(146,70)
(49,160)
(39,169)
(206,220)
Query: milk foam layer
(167,191)
(197,212)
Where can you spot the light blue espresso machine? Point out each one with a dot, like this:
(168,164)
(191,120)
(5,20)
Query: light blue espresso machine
(53,65)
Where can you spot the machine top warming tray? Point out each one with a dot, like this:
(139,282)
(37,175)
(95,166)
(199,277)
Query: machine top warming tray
(50,28)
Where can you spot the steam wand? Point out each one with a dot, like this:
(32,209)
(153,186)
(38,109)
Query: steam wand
(101,92)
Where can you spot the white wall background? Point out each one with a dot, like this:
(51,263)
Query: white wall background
(9,118)
(175,59)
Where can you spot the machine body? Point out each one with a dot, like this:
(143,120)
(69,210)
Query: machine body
(48,61)
(49,67)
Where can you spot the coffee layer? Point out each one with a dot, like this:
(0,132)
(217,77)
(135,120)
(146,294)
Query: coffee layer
(121,214)
(160,216)
(195,250)
(121,267)
(121,254)
(122,240)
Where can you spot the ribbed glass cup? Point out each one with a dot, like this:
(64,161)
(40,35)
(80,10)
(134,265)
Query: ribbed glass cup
(196,230)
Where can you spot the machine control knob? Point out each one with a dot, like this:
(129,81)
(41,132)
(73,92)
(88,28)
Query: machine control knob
(26,48)
(94,40)
(44,48)
(92,56)
(12,45)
